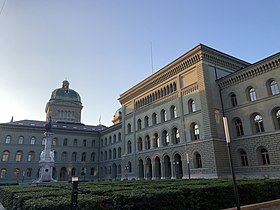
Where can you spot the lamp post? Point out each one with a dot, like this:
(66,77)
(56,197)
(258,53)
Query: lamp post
(188,162)
(23,174)
(237,202)
(126,172)
(85,171)
(175,163)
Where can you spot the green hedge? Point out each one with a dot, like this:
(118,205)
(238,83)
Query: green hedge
(157,194)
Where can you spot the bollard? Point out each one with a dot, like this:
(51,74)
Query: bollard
(74,194)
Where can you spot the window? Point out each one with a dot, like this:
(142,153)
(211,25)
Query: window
(173,112)
(191,105)
(64,156)
(140,144)
(276,116)
(129,148)
(115,138)
(5,156)
(3,173)
(198,161)
(146,121)
(101,156)
(54,141)
(147,142)
(28,172)
(84,142)
(156,140)
(176,136)
(128,128)
(195,131)
(43,141)
(65,142)
(129,167)
(92,171)
(252,94)
(18,156)
(114,153)
(258,123)
(73,172)
(74,156)
(16,172)
(120,137)
(8,139)
(274,87)
(20,140)
(243,157)
(84,157)
(163,115)
(139,124)
(110,154)
(238,127)
(119,152)
(110,139)
(92,157)
(33,140)
(93,142)
(233,99)
(75,143)
(165,138)
(31,156)
(154,119)
(105,155)
(265,157)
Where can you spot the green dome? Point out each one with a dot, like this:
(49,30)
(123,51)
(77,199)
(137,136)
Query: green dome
(65,93)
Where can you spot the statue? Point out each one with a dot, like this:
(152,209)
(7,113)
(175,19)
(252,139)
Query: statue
(48,126)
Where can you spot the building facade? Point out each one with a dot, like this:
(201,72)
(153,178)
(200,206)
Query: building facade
(169,126)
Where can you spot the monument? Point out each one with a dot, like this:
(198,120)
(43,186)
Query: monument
(46,162)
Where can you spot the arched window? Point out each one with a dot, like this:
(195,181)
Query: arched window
(8,139)
(5,156)
(84,142)
(33,140)
(175,136)
(74,156)
(105,155)
(114,153)
(163,115)
(264,156)
(43,141)
(120,137)
(147,142)
(156,140)
(31,156)
(129,167)
(233,99)
(75,143)
(258,123)
(238,127)
(16,172)
(20,140)
(64,156)
(165,138)
(128,128)
(243,158)
(3,173)
(54,141)
(115,138)
(173,112)
(146,121)
(92,157)
(197,161)
(139,124)
(154,119)
(110,139)
(101,156)
(28,172)
(276,118)
(84,156)
(252,94)
(195,131)
(274,89)
(92,171)
(119,152)
(129,147)
(191,106)
(119,169)
(73,172)
(140,144)
(110,154)
(65,142)
(18,156)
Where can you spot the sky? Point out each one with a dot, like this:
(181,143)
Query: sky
(104,47)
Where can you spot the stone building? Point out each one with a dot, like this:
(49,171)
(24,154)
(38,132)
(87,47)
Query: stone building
(170,119)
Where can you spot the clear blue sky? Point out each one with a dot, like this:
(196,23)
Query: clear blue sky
(103,46)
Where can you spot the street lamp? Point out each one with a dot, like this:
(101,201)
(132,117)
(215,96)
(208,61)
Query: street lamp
(188,162)
(23,174)
(230,162)
(175,163)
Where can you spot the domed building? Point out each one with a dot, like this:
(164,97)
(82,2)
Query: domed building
(64,105)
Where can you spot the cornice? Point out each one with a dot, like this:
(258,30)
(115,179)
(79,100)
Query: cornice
(189,59)
(254,70)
